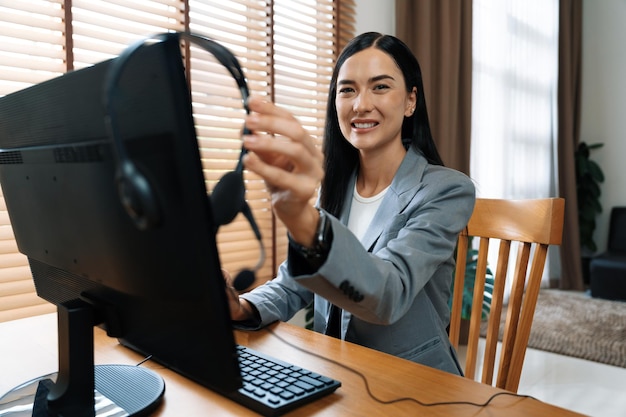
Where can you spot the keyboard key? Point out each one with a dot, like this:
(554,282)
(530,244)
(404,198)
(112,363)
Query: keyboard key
(305,386)
(315,382)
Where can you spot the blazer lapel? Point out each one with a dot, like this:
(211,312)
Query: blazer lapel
(402,190)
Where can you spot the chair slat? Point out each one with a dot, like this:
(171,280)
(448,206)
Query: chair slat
(457,298)
(495,313)
(526,318)
(513,312)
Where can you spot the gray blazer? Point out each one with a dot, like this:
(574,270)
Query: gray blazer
(393,285)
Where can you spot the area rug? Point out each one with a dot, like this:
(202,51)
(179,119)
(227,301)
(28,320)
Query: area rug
(574,324)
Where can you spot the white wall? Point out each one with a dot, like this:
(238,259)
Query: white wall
(603,112)
(376,16)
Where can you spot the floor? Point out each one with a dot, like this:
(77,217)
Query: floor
(590,388)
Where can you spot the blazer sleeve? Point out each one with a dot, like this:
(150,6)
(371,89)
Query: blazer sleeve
(277,300)
(413,251)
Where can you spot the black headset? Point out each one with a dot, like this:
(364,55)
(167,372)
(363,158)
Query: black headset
(134,189)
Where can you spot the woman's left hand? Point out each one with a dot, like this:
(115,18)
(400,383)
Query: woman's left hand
(290,163)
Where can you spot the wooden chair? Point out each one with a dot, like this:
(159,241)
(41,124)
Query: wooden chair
(534,224)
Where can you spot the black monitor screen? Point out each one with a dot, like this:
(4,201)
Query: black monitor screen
(161,290)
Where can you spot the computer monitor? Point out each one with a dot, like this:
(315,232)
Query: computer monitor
(159,291)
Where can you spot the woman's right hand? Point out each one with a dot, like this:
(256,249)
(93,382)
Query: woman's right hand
(285,155)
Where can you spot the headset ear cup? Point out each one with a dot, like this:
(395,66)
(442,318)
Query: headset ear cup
(244,279)
(137,198)
(228,198)
(134,189)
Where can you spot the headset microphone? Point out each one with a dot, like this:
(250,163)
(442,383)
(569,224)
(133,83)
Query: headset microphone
(246,277)
(228,198)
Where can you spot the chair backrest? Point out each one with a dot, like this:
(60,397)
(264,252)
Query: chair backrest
(534,224)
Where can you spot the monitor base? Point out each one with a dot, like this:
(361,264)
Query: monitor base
(121,390)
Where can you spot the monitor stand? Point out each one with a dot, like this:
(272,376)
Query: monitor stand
(81,389)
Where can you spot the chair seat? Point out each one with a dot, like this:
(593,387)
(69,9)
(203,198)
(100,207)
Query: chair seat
(608,276)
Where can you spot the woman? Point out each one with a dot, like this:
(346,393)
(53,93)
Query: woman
(378,253)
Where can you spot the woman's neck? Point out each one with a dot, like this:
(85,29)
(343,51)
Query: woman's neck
(377,170)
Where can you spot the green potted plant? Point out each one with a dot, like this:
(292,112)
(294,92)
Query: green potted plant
(471,264)
(589,176)
(308,316)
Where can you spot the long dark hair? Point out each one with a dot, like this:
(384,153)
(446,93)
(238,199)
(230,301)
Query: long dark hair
(341,158)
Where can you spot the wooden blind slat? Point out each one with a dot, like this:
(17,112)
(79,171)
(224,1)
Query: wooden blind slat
(296,7)
(31,8)
(8,246)
(21,22)
(6,232)
(15,307)
(15,273)
(17,287)
(144,12)
(10,260)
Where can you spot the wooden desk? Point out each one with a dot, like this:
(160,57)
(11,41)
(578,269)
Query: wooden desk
(28,350)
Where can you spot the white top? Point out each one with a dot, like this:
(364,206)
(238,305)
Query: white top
(362,211)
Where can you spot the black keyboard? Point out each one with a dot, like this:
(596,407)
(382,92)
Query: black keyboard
(272,387)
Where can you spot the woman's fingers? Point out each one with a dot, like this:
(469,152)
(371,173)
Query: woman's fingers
(302,185)
(285,153)
(269,118)
(289,161)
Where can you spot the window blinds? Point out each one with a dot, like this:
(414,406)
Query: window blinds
(31,51)
(286,48)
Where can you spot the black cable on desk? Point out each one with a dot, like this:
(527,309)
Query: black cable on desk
(401,399)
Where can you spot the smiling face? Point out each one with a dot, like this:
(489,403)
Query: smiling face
(372,100)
